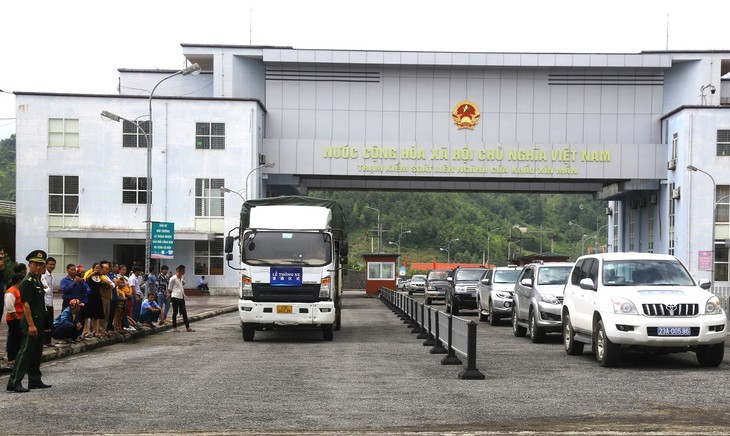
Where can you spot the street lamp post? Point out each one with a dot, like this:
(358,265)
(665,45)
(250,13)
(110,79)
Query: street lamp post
(522,230)
(448,250)
(231,191)
(245,188)
(712,223)
(379,232)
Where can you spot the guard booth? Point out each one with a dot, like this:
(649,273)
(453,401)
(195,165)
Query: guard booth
(380,269)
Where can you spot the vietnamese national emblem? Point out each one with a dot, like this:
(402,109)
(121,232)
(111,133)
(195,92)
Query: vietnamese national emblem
(466,115)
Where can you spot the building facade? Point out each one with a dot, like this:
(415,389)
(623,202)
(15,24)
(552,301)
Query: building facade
(621,126)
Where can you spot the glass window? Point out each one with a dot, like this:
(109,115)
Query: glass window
(210,136)
(381,271)
(723,142)
(287,248)
(63,132)
(63,195)
(209,257)
(134,190)
(133,136)
(208,197)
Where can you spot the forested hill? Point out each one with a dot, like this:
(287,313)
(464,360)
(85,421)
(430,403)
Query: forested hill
(7,169)
(480,221)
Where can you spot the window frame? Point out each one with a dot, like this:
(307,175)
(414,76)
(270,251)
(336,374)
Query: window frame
(62,128)
(140,193)
(208,137)
(65,195)
(212,264)
(204,197)
(380,269)
(134,134)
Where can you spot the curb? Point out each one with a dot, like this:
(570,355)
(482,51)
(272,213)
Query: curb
(65,350)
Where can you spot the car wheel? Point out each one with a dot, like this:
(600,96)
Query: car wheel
(537,334)
(482,316)
(607,353)
(493,319)
(517,329)
(248,332)
(572,347)
(710,356)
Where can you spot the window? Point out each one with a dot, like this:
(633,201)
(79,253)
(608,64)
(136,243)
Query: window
(210,136)
(632,228)
(63,132)
(672,210)
(723,142)
(615,227)
(134,190)
(134,137)
(63,195)
(65,251)
(650,246)
(381,271)
(675,144)
(722,233)
(209,257)
(208,197)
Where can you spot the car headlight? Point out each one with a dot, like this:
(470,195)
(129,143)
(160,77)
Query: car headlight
(712,307)
(460,288)
(549,299)
(623,306)
(503,295)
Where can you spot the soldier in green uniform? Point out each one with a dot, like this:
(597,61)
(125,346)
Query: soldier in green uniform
(32,323)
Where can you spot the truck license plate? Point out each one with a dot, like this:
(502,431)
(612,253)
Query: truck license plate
(283,308)
(673,331)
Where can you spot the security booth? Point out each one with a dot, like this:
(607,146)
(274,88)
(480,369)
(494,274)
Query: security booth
(380,271)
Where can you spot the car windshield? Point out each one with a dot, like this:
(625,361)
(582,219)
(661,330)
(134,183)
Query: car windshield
(553,275)
(506,276)
(418,279)
(438,275)
(465,275)
(645,272)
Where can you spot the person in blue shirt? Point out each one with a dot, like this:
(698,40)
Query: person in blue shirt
(67,327)
(72,286)
(150,311)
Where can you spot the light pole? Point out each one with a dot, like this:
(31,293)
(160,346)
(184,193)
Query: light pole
(598,220)
(583,242)
(714,217)
(522,230)
(379,233)
(448,250)
(399,236)
(231,191)
(245,188)
(192,69)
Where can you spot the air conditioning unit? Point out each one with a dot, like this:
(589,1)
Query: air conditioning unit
(672,164)
(675,194)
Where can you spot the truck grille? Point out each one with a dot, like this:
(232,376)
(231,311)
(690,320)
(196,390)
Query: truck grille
(286,294)
(660,309)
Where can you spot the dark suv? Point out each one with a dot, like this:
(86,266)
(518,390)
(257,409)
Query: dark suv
(461,292)
(436,285)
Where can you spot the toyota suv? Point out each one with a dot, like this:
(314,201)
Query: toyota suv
(461,292)
(494,293)
(538,299)
(617,301)
(436,285)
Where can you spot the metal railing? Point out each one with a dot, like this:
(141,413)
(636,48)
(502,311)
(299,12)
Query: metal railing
(445,333)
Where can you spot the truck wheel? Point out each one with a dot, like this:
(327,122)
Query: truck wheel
(537,333)
(607,353)
(517,329)
(572,347)
(493,319)
(327,332)
(710,356)
(338,320)
(248,332)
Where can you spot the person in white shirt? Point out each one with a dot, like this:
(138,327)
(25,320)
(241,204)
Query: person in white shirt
(47,280)
(134,283)
(176,289)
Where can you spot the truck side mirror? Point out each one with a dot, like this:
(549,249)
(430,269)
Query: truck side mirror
(228,248)
(229,257)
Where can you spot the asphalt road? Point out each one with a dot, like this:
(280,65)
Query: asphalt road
(374,378)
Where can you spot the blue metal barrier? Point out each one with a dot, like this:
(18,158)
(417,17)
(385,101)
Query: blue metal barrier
(438,328)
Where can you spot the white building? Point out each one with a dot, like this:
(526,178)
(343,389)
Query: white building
(622,126)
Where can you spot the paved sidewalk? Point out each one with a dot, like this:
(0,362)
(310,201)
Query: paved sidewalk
(198,306)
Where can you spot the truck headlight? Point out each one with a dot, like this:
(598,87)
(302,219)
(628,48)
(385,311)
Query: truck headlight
(712,307)
(622,306)
(324,287)
(246,288)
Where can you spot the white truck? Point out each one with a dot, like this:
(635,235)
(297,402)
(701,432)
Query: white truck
(292,250)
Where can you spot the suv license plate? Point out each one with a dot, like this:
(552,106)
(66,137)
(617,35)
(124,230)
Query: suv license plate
(283,309)
(673,331)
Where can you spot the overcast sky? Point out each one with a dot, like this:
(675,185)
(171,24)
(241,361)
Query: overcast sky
(78,45)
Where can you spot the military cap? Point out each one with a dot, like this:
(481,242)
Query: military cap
(39,256)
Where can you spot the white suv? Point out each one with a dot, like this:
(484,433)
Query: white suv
(615,301)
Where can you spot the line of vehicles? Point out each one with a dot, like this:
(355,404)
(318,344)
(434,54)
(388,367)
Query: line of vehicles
(611,302)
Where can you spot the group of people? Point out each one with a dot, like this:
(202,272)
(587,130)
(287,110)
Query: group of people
(96,303)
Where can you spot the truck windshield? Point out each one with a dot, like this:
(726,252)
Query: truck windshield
(287,248)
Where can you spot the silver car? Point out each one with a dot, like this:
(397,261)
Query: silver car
(538,299)
(417,284)
(494,293)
